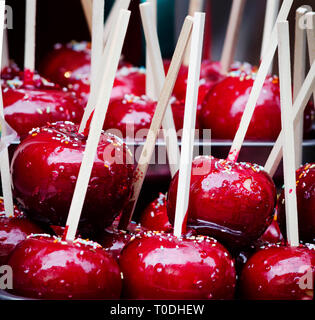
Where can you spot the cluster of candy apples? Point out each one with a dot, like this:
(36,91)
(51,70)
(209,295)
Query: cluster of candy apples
(30,102)
(233,203)
(221,102)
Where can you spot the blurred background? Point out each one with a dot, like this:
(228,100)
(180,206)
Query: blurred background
(62,21)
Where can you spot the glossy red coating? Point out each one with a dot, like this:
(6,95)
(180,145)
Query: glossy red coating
(28,108)
(224,105)
(305,191)
(209,75)
(279,273)
(67,63)
(45,267)
(154,217)
(10,72)
(232,202)
(44,171)
(272,234)
(178,109)
(13,230)
(129,114)
(114,240)
(129,80)
(70,65)
(161,266)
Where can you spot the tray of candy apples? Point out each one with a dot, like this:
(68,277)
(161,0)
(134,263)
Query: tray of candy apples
(76,216)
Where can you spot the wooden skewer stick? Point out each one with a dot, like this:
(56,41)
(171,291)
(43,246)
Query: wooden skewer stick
(310,17)
(231,36)
(149,79)
(299,105)
(272,9)
(97,124)
(87,8)
(194,6)
(5,50)
(113,15)
(96,60)
(258,84)
(158,79)
(30,33)
(189,123)
(299,76)
(97,43)
(156,123)
(288,130)
(4,156)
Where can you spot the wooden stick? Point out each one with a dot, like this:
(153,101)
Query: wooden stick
(156,123)
(30,33)
(96,60)
(113,15)
(310,17)
(298,109)
(183,190)
(4,156)
(288,133)
(258,84)
(194,6)
(298,77)
(5,50)
(87,8)
(272,9)
(231,36)
(118,5)
(97,124)
(97,43)
(149,79)
(158,79)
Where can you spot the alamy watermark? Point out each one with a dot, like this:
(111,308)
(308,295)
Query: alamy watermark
(306,282)
(136,139)
(6,277)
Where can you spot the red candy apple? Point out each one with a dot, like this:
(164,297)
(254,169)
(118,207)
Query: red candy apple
(279,273)
(129,114)
(34,102)
(155,216)
(233,202)
(224,105)
(46,267)
(13,230)
(67,63)
(70,66)
(161,266)
(305,191)
(129,80)
(45,167)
